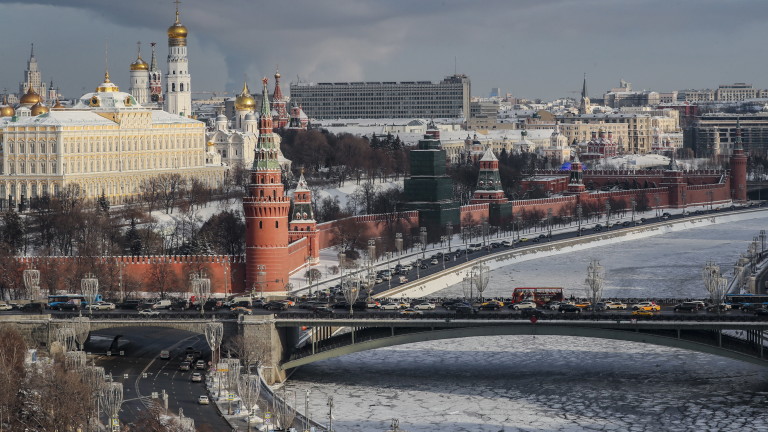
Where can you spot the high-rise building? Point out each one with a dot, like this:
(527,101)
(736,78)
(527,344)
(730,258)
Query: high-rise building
(33,78)
(178,94)
(381,99)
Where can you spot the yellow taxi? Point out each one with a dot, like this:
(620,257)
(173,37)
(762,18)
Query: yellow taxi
(643,313)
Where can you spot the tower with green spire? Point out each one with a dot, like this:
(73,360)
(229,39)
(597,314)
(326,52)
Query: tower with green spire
(429,190)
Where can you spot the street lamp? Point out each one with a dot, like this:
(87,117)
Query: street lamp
(449,233)
(607,213)
(578,217)
(423,237)
(634,204)
(485,232)
(443,239)
(399,245)
(549,223)
(90,287)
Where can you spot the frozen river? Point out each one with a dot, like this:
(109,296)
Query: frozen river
(526,383)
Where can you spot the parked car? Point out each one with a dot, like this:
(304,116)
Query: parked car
(196,377)
(425,306)
(568,308)
(526,304)
(148,313)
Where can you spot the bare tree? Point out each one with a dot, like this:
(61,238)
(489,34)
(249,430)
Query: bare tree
(594,282)
(715,284)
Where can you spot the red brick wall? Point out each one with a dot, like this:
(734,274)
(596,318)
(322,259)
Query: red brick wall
(373,225)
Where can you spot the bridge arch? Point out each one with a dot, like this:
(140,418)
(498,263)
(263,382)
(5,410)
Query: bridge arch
(530,330)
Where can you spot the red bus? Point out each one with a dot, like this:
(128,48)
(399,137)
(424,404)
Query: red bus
(539,295)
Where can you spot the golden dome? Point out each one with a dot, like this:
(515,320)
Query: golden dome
(277,75)
(177,31)
(7,110)
(139,65)
(30,97)
(107,85)
(244,101)
(209,144)
(38,109)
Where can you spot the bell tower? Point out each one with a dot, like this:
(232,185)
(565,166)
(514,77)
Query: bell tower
(266,210)
(178,92)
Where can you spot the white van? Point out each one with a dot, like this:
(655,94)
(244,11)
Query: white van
(161,304)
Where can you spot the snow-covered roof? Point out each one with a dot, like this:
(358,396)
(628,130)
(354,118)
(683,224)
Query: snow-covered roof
(164,117)
(61,118)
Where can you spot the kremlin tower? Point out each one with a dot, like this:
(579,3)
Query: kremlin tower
(738,169)
(489,190)
(178,98)
(303,223)
(155,79)
(280,111)
(140,79)
(266,213)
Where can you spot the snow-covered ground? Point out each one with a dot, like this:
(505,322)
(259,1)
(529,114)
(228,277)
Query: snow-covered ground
(527,383)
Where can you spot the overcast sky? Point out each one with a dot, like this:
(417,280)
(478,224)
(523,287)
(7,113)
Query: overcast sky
(529,48)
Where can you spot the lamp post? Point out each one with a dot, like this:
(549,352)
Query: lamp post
(399,245)
(480,278)
(449,233)
(261,276)
(549,223)
(90,287)
(578,218)
(634,204)
(201,287)
(607,213)
(443,239)
(485,232)
(32,284)
(423,238)
(307,420)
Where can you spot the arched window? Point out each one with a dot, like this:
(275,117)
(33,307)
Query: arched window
(181,87)
(173,87)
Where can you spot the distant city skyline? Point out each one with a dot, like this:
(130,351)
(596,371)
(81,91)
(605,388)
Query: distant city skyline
(530,49)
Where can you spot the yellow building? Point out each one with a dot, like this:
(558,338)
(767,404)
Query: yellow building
(107,143)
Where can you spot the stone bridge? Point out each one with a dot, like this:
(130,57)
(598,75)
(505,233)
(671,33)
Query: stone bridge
(738,340)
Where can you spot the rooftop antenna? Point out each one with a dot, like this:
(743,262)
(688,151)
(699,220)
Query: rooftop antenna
(106,61)
(454,65)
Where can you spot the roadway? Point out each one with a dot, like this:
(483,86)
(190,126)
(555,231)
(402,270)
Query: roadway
(141,348)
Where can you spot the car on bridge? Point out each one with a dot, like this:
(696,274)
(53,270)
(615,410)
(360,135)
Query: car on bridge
(149,313)
(583,304)
(615,305)
(553,305)
(411,312)
(276,305)
(568,308)
(526,304)
(687,307)
(647,306)
(425,306)
(491,305)
(390,306)
(465,309)
(643,313)
(322,311)
(5,307)
(241,310)
(761,312)
(101,306)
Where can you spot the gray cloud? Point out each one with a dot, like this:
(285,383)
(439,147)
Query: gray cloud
(528,47)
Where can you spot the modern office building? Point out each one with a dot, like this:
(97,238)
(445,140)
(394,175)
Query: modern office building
(448,98)
(715,134)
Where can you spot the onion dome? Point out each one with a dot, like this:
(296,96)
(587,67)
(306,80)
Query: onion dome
(177,33)
(277,75)
(209,144)
(139,65)
(38,109)
(244,101)
(30,97)
(6,110)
